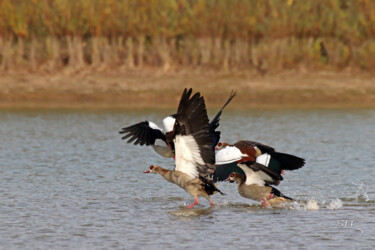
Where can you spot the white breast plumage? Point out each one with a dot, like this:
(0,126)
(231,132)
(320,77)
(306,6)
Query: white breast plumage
(251,176)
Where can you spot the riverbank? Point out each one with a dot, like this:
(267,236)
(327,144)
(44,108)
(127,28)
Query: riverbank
(150,89)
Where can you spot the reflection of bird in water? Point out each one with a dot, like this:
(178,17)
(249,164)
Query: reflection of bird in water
(188,213)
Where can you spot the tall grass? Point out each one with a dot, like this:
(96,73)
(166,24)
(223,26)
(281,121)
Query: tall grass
(258,35)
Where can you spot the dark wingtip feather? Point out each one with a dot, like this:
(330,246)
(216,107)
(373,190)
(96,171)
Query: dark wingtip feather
(215,121)
(141,134)
(232,95)
(277,193)
(209,186)
(289,162)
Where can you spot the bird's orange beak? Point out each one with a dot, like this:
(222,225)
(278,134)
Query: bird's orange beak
(147,171)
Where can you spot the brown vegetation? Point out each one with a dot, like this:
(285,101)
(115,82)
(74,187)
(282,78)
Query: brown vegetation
(141,53)
(223,35)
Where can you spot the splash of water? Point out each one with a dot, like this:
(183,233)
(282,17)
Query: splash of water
(312,204)
(361,194)
(335,204)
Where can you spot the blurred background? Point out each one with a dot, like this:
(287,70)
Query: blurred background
(153,38)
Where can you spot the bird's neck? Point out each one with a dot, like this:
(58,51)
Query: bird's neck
(167,174)
(240,180)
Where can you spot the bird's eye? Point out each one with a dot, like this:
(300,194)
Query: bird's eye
(151,167)
(232,175)
(219,144)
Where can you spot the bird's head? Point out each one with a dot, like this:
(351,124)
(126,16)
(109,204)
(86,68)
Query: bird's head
(234,177)
(221,145)
(151,169)
(154,170)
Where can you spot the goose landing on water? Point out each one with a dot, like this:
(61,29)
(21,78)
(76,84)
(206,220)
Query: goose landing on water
(194,153)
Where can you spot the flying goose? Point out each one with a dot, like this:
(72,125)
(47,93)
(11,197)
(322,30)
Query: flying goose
(194,153)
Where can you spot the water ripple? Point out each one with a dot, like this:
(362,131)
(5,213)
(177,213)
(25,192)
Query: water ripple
(68,181)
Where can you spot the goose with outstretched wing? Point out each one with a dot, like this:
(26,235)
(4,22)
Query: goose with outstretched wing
(194,154)
(149,134)
(161,140)
(248,151)
(255,179)
(256,168)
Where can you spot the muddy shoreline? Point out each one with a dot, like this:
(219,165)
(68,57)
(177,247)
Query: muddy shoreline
(138,90)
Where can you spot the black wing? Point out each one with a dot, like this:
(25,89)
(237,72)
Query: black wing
(209,186)
(214,124)
(260,167)
(277,193)
(192,119)
(287,161)
(191,114)
(141,133)
(222,172)
(263,148)
(270,177)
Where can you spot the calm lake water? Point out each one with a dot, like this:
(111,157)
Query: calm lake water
(67,181)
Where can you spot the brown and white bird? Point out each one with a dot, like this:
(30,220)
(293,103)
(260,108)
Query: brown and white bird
(255,167)
(255,183)
(194,152)
(161,140)
(248,151)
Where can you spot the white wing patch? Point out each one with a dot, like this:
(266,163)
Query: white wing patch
(168,124)
(153,126)
(251,176)
(264,159)
(187,155)
(228,154)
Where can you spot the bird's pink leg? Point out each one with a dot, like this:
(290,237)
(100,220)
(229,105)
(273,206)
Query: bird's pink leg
(195,203)
(265,202)
(212,203)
